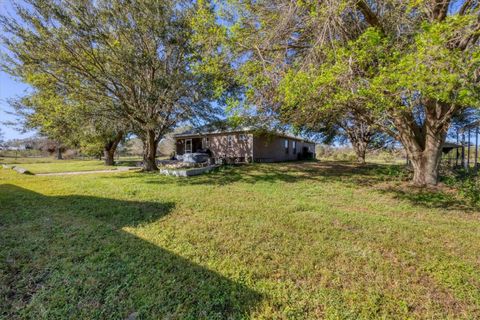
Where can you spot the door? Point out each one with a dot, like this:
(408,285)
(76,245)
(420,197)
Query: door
(188,145)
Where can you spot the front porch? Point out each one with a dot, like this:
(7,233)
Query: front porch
(190,145)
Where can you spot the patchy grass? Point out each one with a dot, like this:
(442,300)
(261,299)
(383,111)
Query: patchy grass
(297,241)
(23,160)
(48,165)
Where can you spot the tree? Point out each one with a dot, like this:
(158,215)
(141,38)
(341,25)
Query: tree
(342,123)
(141,54)
(101,137)
(411,64)
(360,134)
(2,135)
(64,118)
(133,146)
(46,112)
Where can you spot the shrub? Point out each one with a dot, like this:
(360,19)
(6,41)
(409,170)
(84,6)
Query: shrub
(388,157)
(69,154)
(467,183)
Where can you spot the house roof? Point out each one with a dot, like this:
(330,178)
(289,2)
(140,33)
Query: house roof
(203,131)
(451,145)
(206,130)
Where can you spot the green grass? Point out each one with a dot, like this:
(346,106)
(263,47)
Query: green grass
(49,165)
(264,241)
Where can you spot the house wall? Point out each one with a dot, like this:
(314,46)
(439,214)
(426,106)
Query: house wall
(272,149)
(248,146)
(241,145)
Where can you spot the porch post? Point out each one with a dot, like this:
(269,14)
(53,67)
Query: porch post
(476,149)
(456,151)
(468,151)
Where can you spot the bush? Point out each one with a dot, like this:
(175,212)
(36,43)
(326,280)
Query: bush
(69,154)
(467,183)
(344,155)
(323,151)
(388,157)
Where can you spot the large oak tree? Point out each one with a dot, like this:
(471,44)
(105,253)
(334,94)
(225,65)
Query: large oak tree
(412,64)
(54,112)
(141,55)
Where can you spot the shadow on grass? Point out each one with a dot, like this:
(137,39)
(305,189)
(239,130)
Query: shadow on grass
(291,172)
(127,163)
(428,198)
(70,256)
(381,178)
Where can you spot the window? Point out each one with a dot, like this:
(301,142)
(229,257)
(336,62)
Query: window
(286,146)
(229,141)
(294,147)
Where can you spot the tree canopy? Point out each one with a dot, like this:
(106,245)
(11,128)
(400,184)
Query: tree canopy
(409,65)
(141,55)
(402,68)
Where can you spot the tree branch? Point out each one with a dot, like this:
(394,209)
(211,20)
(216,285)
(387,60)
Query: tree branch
(370,17)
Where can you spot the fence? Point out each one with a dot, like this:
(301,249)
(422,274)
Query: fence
(464,153)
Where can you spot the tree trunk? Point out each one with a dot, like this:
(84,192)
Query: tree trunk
(110,148)
(425,167)
(150,145)
(426,161)
(59,152)
(424,144)
(360,150)
(360,136)
(109,156)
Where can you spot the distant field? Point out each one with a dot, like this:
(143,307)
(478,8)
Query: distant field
(262,241)
(21,160)
(50,165)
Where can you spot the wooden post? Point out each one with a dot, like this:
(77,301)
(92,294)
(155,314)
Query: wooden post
(476,149)
(456,151)
(468,150)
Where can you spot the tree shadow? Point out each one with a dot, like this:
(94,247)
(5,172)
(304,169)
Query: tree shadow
(290,172)
(386,179)
(428,198)
(70,256)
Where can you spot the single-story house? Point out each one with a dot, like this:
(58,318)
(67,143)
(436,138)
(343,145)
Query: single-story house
(245,145)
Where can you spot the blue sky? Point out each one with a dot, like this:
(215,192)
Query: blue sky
(9,88)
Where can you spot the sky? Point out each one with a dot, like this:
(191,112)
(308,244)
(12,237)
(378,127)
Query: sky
(9,89)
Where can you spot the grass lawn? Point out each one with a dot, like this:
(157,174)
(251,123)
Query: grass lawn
(263,241)
(49,165)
